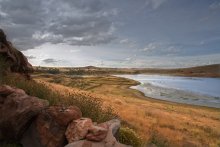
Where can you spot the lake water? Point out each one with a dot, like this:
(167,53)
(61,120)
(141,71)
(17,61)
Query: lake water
(189,90)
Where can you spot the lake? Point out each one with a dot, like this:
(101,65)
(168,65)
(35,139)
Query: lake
(188,90)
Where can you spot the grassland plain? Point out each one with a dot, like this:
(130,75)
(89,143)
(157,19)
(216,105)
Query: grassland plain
(160,122)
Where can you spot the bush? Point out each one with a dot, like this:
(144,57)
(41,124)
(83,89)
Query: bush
(91,107)
(129,137)
(53,71)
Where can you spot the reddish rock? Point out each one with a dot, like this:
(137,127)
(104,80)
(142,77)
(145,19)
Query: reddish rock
(15,59)
(48,130)
(17,109)
(6,90)
(109,140)
(64,115)
(78,129)
(97,133)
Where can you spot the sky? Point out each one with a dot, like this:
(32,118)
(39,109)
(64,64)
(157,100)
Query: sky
(114,33)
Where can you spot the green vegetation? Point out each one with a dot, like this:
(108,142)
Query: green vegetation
(129,137)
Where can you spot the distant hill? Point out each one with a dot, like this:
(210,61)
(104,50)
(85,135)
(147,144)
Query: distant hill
(199,71)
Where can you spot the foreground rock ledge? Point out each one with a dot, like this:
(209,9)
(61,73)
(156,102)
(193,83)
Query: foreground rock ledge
(48,130)
(17,110)
(30,121)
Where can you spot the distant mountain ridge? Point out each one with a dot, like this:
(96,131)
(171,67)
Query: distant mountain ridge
(199,71)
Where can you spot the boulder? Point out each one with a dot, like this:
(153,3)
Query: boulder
(14,59)
(108,141)
(78,129)
(64,115)
(17,110)
(97,133)
(48,130)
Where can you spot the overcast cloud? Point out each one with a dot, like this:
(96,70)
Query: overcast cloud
(31,23)
(119,33)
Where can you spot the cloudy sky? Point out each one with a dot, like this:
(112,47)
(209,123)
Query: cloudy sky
(114,33)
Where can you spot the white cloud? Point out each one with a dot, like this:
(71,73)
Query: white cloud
(129,43)
(154,4)
(215,5)
(74,50)
(151,46)
(159,48)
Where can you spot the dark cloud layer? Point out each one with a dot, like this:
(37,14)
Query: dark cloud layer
(50,60)
(117,33)
(30,23)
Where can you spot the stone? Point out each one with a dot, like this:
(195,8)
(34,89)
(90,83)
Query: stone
(15,59)
(109,141)
(64,115)
(97,133)
(78,129)
(17,110)
(48,130)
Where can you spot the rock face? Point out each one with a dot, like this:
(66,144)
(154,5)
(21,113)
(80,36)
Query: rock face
(48,130)
(15,60)
(17,109)
(78,129)
(97,133)
(107,139)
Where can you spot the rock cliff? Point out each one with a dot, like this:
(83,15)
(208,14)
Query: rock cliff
(13,58)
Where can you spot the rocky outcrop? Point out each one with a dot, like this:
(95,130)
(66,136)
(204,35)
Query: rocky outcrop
(14,59)
(48,130)
(108,141)
(17,110)
(97,133)
(78,129)
(30,121)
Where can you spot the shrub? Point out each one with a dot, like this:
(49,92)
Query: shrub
(53,71)
(91,107)
(129,137)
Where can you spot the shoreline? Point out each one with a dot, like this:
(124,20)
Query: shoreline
(152,99)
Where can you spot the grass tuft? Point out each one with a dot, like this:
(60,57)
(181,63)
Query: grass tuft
(129,137)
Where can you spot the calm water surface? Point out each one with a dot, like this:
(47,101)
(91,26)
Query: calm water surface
(189,90)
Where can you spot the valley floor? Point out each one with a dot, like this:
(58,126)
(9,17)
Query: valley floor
(160,122)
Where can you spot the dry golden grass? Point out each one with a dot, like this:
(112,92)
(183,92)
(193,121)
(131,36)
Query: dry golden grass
(159,122)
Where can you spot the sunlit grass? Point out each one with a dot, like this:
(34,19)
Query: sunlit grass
(90,107)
